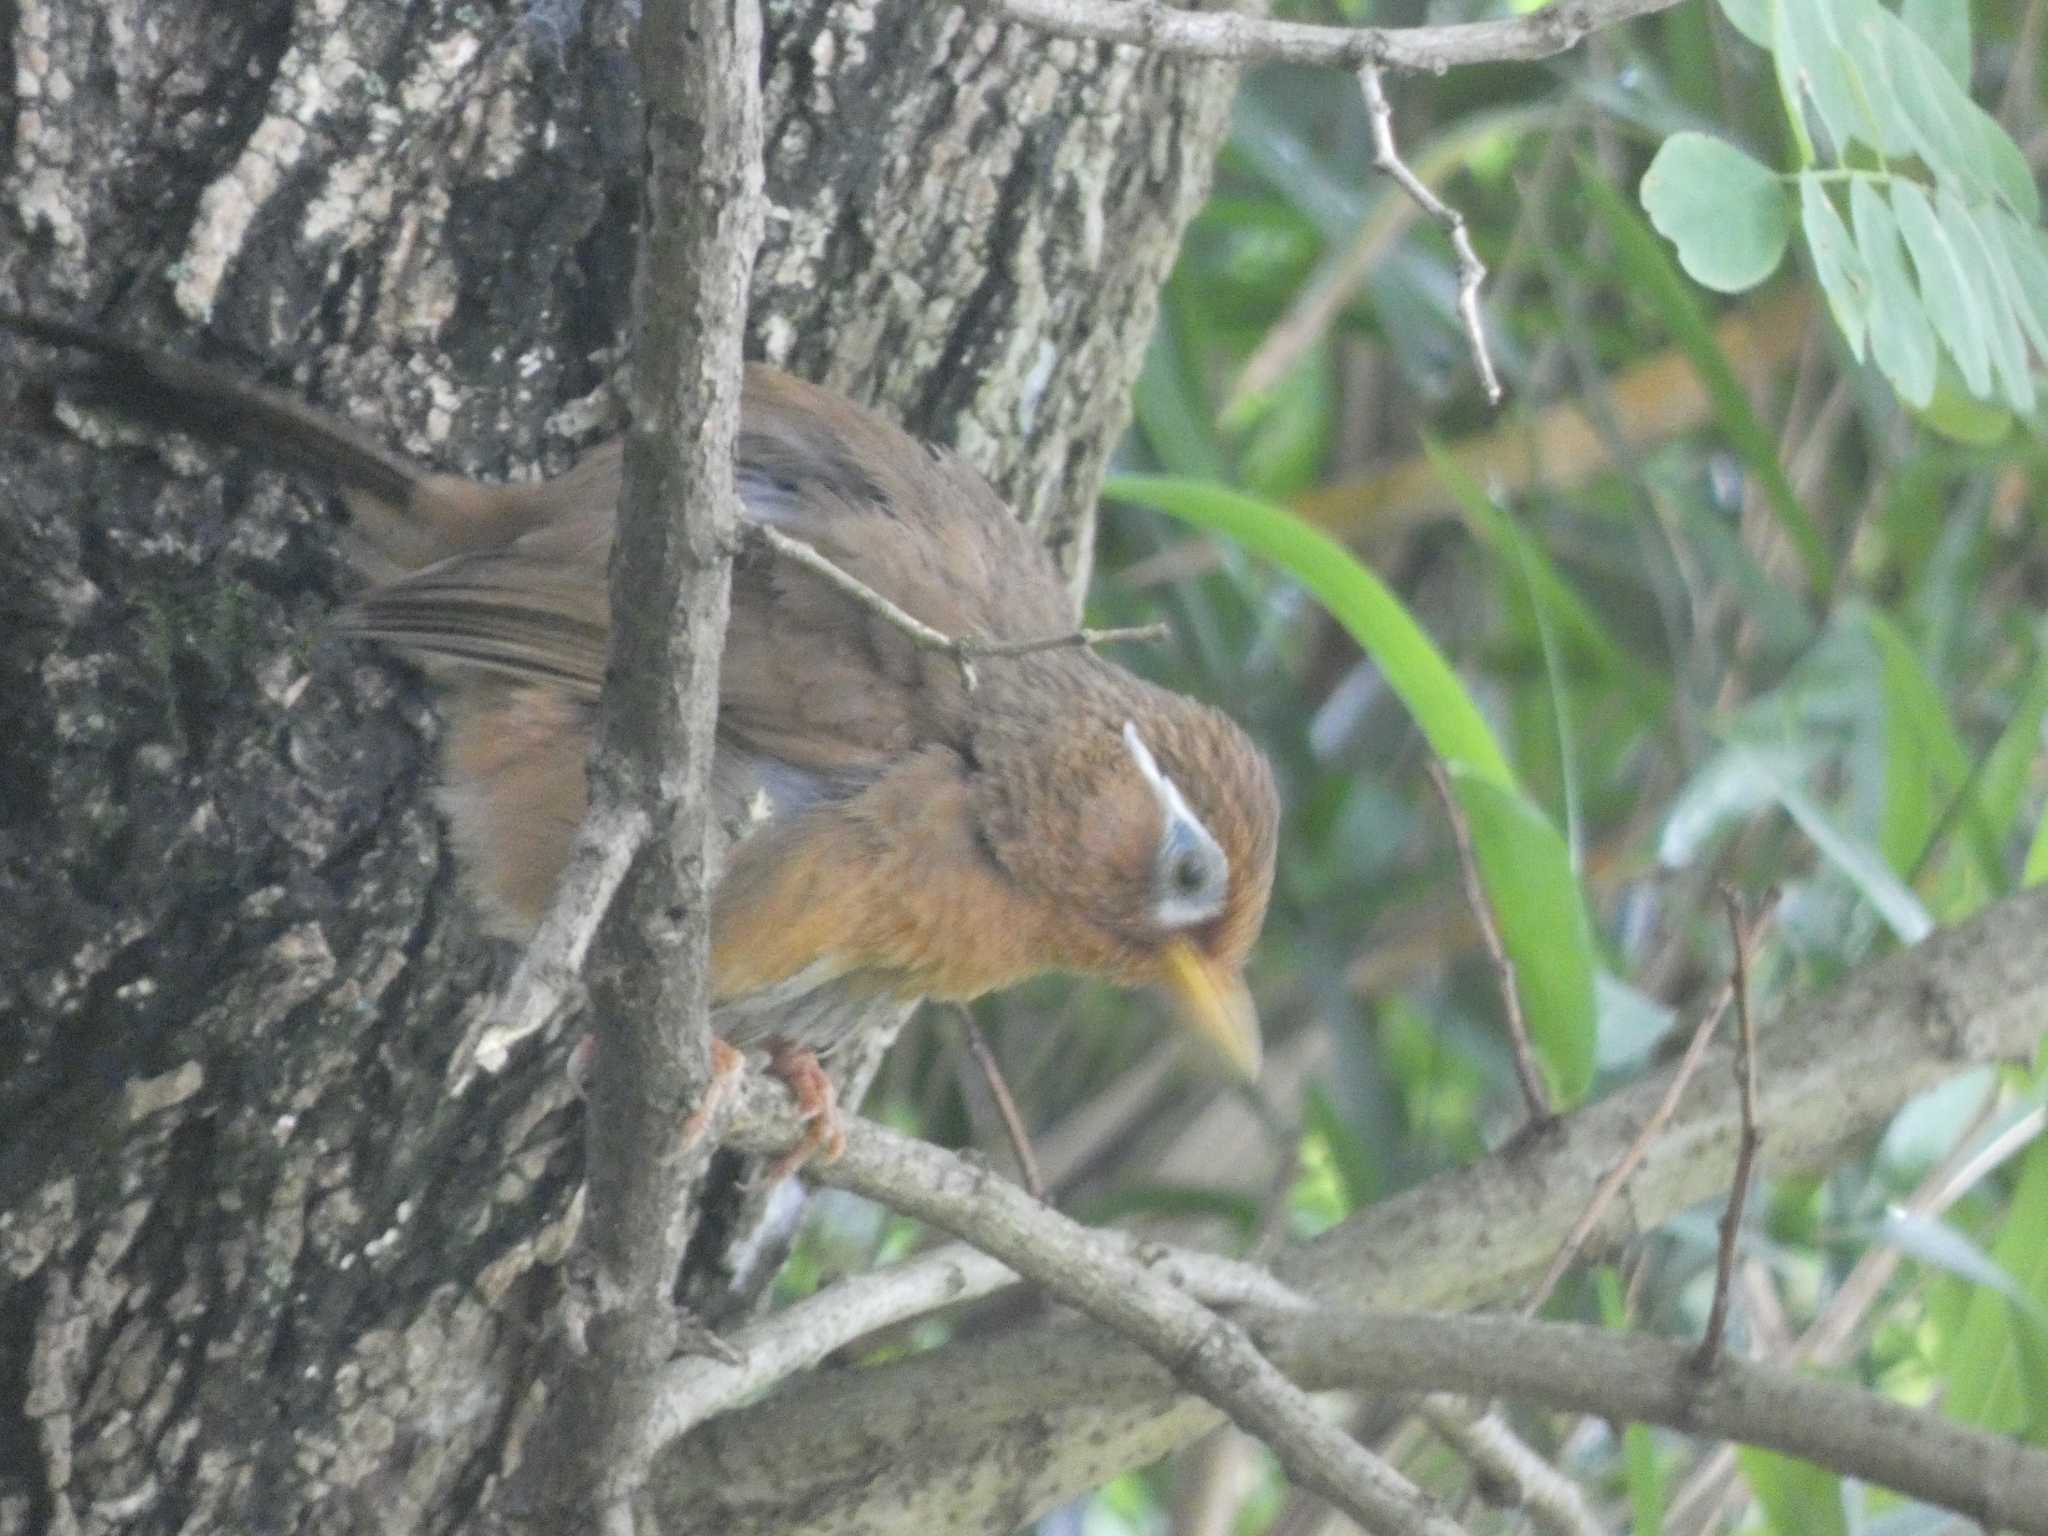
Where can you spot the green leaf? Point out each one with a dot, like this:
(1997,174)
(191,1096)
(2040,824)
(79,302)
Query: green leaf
(1284,449)
(1527,871)
(1923,755)
(1844,275)
(1862,864)
(1651,274)
(1522,860)
(2035,870)
(1944,287)
(1415,669)
(1937,109)
(2027,249)
(1993,302)
(1901,339)
(1944,26)
(1752,18)
(1644,687)
(1798,1498)
(1725,212)
(1860,31)
(1810,51)
(2005,164)
(1996,246)
(1175,425)
(1961,416)
(1986,1366)
(1731,786)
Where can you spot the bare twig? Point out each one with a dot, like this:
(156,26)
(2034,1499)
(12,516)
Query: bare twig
(1526,1069)
(806,1332)
(1162,28)
(1482,1437)
(1006,1104)
(1471,270)
(1203,1348)
(1745,1156)
(1618,1176)
(1634,1377)
(962,648)
(548,983)
(1829,1339)
(701,217)
(1611,1185)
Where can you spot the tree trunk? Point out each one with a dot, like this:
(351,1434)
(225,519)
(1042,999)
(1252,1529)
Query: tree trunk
(264,1270)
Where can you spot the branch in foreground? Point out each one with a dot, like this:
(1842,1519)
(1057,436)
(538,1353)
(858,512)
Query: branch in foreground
(1631,1377)
(1200,1346)
(701,218)
(852,1309)
(1247,39)
(1040,1413)
(547,985)
(1998,1481)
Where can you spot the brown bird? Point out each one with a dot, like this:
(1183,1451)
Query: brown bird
(920,839)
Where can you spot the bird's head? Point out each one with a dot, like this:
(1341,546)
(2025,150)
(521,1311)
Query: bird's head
(1149,833)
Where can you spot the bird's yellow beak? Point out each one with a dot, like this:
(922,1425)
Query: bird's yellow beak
(1215,1003)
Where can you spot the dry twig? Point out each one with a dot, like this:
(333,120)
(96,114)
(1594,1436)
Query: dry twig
(1163,28)
(1471,270)
(1526,1069)
(1745,1156)
(1006,1103)
(962,648)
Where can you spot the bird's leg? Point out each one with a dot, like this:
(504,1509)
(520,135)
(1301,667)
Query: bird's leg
(726,1066)
(817,1105)
(727,1063)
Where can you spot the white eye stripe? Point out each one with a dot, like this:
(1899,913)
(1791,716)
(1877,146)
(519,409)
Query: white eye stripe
(1183,832)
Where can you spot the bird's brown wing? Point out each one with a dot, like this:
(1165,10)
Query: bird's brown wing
(814,677)
(499,613)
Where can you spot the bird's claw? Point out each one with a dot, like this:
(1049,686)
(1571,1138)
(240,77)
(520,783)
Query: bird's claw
(726,1066)
(817,1105)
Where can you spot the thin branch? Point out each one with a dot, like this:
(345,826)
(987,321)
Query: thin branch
(1208,1351)
(701,217)
(962,648)
(1828,1339)
(1526,1070)
(1618,1176)
(1995,1479)
(1006,1104)
(806,1332)
(1228,35)
(548,984)
(1150,1293)
(1023,1420)
(1471,270)
(1554,1502)
(1745,1155)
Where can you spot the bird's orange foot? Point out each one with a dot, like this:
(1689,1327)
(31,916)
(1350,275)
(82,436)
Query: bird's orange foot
(817,1105)
(726,1066)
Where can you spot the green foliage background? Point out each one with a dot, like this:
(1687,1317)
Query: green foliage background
(1786,638)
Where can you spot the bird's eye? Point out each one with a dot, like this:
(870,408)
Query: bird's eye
(1191,876)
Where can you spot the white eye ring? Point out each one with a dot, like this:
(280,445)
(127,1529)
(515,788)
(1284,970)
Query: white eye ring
(1182,835)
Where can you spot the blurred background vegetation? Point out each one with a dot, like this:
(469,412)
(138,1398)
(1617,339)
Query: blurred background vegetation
(1733,613)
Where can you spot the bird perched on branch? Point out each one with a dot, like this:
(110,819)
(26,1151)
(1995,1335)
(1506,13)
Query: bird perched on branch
(923,837)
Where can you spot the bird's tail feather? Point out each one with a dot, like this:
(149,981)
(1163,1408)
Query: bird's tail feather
(210,403)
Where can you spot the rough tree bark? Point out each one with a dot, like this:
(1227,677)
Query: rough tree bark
(262,1270)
